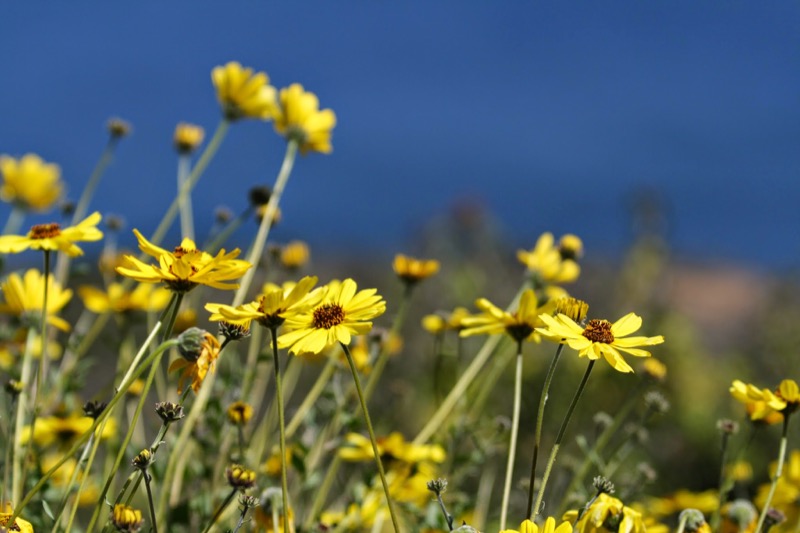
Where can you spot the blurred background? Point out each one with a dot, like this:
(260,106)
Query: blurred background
(664,134)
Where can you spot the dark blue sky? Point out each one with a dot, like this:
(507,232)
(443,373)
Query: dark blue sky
(551,114)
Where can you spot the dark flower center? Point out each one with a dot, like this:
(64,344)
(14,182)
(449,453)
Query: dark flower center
(328,315)
(599,331)
(180,251)
(45,231)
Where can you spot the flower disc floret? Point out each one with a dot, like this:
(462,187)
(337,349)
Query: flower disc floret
(600,338)
(53,238)
(186,267)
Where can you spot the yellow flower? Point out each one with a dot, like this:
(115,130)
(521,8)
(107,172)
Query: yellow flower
(198,360)
(240,477)
(439,322)
(63,431)
(519,325)
(20,525)
(186,267)
(600,338)
(52,237)
(547,262)
(705,501)
(117,299)
(412,270)
(272,466)
(30,182)
(294,255)
(126,519)
(272,308)
(787,491)
(61,478)
(549,527)
(359,448)
(762,405)
(24,298)
(242,93)
(300,119)
(187,137)
(607,515)
(239,413)
(654,369)
(263,520)
(340,314)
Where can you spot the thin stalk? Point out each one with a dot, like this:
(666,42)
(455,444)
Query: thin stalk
(80,441)
(372,439)
(214,244)
(512,446)
(682,523)
(559,438)
(14,222)
(778,473)
(220,510)
(185,201)
(281,424)
(191,180)
(266,221)
(715,517)
(68,489)
(312,396)
(539,423)
(19,422)
(5,489)
(90,461)
(147,478)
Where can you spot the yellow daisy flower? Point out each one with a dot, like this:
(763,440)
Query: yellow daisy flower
(549,527)
(187,137)
(243,93)
(197,364)
(186,267)
(272,308)
(549,263)
(441,321)
(600,338)
(24,297)
(30,182)
(117,299)
(300,119)
(520,325)
(607,515)
(294,255)
(359,448)
(20,525)
(126,519)
(340,314)
(762,404)
(52,237)
(412,270)
(63,431)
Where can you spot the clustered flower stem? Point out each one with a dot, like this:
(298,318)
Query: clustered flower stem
(512,446)
(281,425)
(560,437)
(371,432)
(778,472)
(539,423)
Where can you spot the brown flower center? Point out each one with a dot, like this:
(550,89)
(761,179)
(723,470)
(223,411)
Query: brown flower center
(45,231)
(180,251)
(328,315)
(599,331)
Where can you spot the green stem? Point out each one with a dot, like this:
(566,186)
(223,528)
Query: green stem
(372,439)
(17,480)
(266,221)
(715,517)
(90,461)
(185,201)
(220,510)
(205,158)
(311,397)
(281,425)
(147,479)
(560,437)
(14,222)
(512,446)
(73,477)
(539,423)
(778,473)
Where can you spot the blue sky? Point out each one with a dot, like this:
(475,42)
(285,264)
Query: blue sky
(550,114)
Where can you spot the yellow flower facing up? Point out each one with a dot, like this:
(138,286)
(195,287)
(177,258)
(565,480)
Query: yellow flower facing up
(412,270)
(341,313)
(29,182)
(185,267)
(143,298)
(549,527)
(126,519)
(600,338)
(187,137)
(243,93)
(199,353)
(520,325)
(24,298)
(52,237)
(272,308)
(607,515)
(300,119)
(549,263)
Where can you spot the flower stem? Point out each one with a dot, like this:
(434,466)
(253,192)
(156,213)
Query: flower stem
(311,397)
(266,221)
(147,479)
(372,439)
(14,221)
(512,446)
(89,462)
(560,437)
(220,510)
(19,422)
(281,425)
(539,423)
(778,473)
(715,517)
(185,200)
